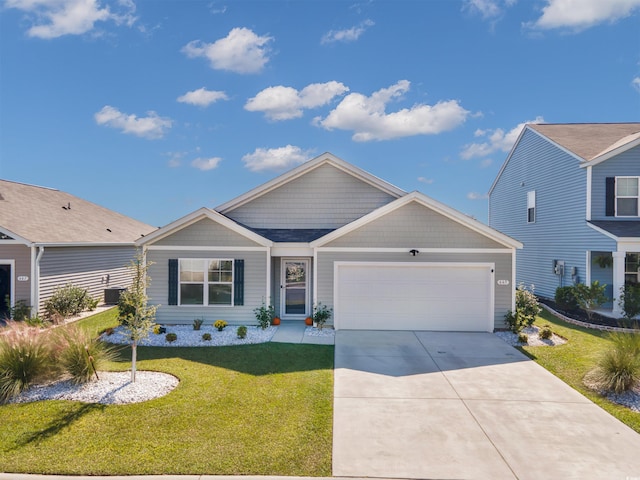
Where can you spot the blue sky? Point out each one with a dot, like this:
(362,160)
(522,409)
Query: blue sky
(157,108)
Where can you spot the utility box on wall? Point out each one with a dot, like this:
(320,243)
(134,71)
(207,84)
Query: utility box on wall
(112,295)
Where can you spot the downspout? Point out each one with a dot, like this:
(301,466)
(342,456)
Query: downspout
(35,278)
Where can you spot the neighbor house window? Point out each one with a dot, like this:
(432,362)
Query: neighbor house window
(206,281)
(531,206)
(627,196)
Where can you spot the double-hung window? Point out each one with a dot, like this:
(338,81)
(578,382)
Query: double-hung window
(627,196)
(206,281)
(531,206)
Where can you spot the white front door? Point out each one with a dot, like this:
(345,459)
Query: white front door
(295,288)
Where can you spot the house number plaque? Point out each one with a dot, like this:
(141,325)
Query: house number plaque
(503,282)
(23,278)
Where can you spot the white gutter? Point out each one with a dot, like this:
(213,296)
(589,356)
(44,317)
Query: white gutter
(35,278)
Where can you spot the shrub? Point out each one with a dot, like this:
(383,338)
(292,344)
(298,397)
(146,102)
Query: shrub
(527,308)
(80,354)
(36,322)
(25,357)
(220,324)
(171,337)
(264,315)
(618,370)
(242,331)
(523,338)
(321,313)
(206,336)
(19,312)
(197,323)
(590,297)
(545,333)
(565,299)
(629,301)
(67,301)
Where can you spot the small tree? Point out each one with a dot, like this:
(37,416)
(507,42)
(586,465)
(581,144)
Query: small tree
(135,313)
(590,297)
(629,301)
(527,308)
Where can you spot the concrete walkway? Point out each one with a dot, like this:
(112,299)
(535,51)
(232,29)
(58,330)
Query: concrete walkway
(298,332)
(465,405)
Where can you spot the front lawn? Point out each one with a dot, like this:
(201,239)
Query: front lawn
(572,360)
(251,410)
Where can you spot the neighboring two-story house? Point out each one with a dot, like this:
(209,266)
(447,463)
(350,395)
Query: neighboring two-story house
(571,194)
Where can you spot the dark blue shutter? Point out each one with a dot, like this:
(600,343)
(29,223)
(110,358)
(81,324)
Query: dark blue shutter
(173,281)
(238,281)
(610,195)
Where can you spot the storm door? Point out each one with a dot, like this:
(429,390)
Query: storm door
(295,288)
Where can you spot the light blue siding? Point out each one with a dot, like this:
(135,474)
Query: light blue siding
(625,164)
(560,230)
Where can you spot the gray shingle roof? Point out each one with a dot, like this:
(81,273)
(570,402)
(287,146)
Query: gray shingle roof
(46,215)
(296,235)
(587,140)
(621,228)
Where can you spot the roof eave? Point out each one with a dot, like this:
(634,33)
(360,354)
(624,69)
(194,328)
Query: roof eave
(608,155)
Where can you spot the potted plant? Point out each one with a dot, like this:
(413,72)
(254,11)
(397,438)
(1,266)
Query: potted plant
(321,313)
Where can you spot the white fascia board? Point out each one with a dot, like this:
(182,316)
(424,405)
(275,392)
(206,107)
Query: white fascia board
(17,239)
(429,203)
(307,167)
(612,153)
(182,248)
(84,244)
(291,250)
(197,216)
(409,248)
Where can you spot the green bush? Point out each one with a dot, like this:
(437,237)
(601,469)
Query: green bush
(545,333)
(321,313)
(523,338)
(527,308)
(629,301)
(206,337)
(80,354)
(171,337)
(67,301)
(25,357)
(591,296)
(565,299)
(19,312)
(618,370)
(242,331)
(264,315)
(197,323)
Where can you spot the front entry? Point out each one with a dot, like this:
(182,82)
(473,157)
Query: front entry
(5,290)
(295,289)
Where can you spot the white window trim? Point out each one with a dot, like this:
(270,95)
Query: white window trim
(637,197)
(531,204)
(206,283)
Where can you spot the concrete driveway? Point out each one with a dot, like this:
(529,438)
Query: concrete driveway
(465,405)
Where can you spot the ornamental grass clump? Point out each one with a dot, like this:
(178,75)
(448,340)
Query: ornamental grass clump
(80,354)
(618,370)
(25,357)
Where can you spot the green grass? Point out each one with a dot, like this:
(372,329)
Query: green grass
(255,409)
(571,361)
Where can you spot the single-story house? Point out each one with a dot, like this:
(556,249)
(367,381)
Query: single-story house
(328,232)
(50,238)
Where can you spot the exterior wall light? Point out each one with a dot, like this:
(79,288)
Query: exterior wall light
(414,252)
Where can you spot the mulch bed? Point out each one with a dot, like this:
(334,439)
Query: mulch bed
(581,315)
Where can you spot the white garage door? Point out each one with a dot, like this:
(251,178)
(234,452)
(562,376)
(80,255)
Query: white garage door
(414,296)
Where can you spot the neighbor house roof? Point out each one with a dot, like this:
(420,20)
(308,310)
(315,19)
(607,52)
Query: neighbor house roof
(41,215)
(589,140)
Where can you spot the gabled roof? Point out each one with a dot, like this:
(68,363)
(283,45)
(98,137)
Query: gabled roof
(40,215)
(588,140)
(325,158)
(617,229)
(428,202)
(198,215)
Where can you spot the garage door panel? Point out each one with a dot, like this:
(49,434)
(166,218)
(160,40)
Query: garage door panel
(414,297)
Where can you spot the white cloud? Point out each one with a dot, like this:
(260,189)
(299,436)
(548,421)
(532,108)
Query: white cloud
(477,196)
(487,162)
(582,14)
(55,18)
(275,158)
(367,117)
(205,164)
(636,83)
(347,35)
(202,97)
(242,51)
(284,103)
(497,140)
(152,126)
(426,180)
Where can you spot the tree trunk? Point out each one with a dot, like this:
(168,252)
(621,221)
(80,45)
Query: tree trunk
(134,354)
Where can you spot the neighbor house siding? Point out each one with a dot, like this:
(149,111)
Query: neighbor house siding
(93,268)
(560,230)
(22,256)
(255,275)
(414,226)
(206,233)
(623,165)
(503,271)
(325,197)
